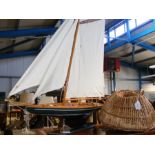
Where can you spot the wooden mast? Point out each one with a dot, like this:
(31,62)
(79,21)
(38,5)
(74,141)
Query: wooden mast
(70,62)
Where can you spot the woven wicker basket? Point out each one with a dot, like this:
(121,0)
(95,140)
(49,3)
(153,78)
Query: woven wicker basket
(129,111)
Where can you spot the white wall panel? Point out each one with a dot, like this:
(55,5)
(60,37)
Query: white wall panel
(4,67)
(127,73)
(107,83)
(5,85)
(14,81)
(127,85)
(27,61)
(15,66)
(127,78)
(12,68)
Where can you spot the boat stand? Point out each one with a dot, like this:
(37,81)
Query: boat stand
(85,129)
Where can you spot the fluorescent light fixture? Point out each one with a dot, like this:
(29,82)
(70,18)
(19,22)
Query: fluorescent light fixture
(152,66)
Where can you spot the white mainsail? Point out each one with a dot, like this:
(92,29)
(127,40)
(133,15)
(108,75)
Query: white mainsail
(49,69)
(87,78)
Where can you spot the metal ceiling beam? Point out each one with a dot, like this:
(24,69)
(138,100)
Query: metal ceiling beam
(142,34)
(141,61)
(16,44)
(44,40)
(18,54)
(130,54)
(133,38)
(23,33)
(109,49)
(113,23)
(146,46)
(27,32)
(16,28)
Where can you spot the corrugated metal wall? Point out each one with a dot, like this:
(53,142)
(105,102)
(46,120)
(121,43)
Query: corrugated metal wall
(11,70)
(127,78)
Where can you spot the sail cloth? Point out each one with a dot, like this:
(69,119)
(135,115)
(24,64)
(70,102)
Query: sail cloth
(49,69)
(49,56)
(87,78)
(57,71)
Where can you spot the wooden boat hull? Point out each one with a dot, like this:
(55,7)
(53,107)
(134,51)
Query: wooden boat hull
(58,109)
(61,111)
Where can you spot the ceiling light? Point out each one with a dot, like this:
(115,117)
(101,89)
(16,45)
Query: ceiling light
(152,66)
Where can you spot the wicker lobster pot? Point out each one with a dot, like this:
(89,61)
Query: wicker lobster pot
(129,111)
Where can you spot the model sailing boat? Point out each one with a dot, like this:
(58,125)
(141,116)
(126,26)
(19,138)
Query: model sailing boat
(72,60)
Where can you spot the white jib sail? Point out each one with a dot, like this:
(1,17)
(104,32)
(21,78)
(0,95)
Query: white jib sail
(87,77)
(38,69)
(57,71)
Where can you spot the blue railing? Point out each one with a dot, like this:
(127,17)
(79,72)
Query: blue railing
(130,35)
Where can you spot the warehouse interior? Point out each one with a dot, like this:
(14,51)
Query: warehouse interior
(129,59)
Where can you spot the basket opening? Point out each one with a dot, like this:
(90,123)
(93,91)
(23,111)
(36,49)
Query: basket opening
(127,94)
